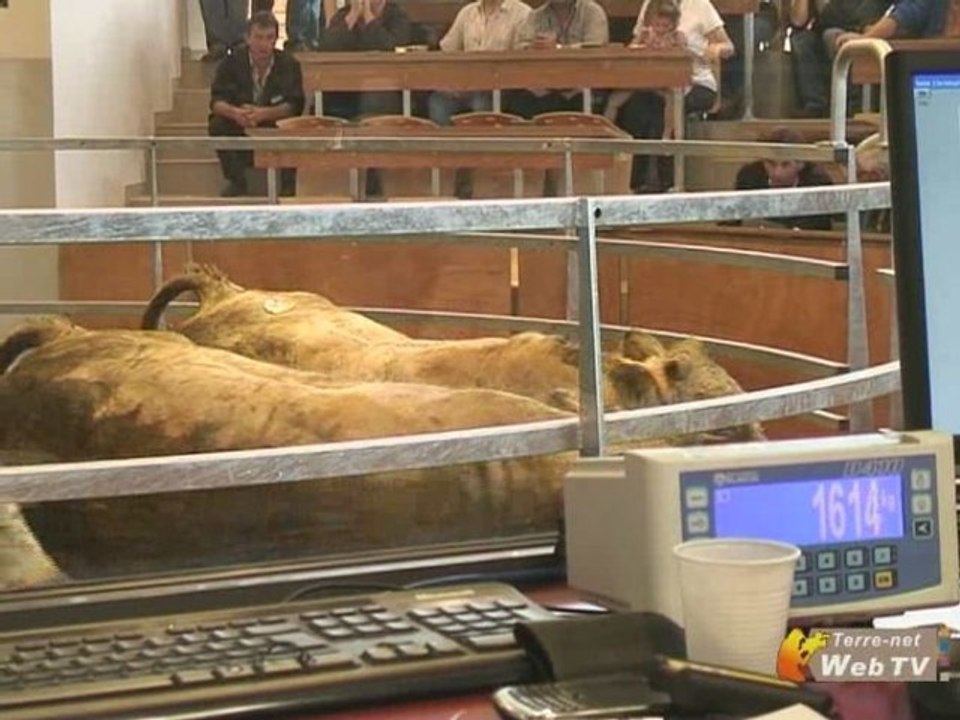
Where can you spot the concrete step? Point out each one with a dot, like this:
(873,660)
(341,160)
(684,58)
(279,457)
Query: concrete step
(189,106)
(189,177)
(182,129)
(196,75)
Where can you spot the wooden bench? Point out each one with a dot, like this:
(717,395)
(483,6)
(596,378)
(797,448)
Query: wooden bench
(328,157)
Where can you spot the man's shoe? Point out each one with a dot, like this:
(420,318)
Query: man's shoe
(232,188)
(215,54)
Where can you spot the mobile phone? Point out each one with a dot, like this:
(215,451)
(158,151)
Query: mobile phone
(607,696)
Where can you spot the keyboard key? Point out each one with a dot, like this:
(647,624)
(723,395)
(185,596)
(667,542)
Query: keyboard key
(317,660)
(339,633)
(235,671)
(380,654)
(413,650)
(325,623)
(399,626)
(481,606)
(445,646)
(500,641)
(273,629)
(192,677)
(77,691)
(273,666)
(301,640)
(423,613)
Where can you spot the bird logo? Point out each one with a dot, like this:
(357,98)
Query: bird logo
(795,653)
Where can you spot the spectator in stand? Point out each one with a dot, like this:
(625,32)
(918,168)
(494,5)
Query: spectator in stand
(660,31)
(772,173)
(558,23)
(483,25)
(733,70)
(642,114)
(254,86)
(904,19)
(816,24)
(224,22)
(365,25)
(304,25)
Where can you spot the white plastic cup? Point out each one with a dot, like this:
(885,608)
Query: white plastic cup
(736,600)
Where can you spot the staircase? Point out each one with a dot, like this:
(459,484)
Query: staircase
(187,177)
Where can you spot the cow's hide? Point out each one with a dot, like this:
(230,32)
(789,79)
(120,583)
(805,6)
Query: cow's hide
(308,331)
(77,395)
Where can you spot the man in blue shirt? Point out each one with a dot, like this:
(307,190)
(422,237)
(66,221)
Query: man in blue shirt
(906,19)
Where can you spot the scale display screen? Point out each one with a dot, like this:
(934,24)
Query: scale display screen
(812,512)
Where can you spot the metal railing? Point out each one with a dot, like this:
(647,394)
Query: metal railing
(591,433)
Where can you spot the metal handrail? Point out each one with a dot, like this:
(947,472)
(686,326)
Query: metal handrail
(392,221)
(838,84)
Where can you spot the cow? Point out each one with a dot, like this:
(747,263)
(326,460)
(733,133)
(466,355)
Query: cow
(75,394)
(308,331)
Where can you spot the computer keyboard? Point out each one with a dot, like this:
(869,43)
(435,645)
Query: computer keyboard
(318,654)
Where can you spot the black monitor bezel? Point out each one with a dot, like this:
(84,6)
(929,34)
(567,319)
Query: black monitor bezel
(900,68)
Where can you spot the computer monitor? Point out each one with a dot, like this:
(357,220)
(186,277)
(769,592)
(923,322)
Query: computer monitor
(923,118)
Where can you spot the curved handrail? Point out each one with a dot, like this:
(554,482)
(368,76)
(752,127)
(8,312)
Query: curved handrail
(838,85)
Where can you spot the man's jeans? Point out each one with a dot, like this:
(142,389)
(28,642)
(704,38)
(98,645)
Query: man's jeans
(224,22)
(303,22)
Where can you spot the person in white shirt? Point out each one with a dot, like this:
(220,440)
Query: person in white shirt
(642,114)
(483,25)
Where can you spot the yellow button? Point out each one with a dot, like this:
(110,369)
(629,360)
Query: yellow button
(883,579)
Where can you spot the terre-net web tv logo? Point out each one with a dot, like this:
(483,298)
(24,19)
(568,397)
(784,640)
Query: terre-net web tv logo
(865,655)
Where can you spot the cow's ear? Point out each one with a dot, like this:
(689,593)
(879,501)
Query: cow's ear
(678,367)
(641,346)
(633,379)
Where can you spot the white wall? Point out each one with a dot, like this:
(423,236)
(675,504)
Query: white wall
(26,179)
(113,63)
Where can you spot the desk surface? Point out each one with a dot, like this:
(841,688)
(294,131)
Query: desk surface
(865,69)
(612,66)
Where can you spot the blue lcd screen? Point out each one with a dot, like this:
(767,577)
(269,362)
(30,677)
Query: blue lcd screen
(812,512)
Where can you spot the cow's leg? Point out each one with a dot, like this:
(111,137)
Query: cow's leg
(23,563)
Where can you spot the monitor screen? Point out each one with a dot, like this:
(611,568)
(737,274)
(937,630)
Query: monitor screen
(924,128)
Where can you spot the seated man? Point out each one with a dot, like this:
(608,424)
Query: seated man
(766,174)
(558,22)
(254,86)
(816,25)
(365,25)
(481,25)
(905,19)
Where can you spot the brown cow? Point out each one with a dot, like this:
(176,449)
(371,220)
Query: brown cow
(308,331)
(76,395)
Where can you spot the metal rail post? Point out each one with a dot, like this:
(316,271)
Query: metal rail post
(591,386)
(858,345)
